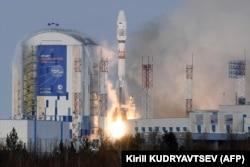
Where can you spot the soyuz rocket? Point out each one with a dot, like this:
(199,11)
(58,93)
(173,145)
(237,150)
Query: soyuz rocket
(121,82)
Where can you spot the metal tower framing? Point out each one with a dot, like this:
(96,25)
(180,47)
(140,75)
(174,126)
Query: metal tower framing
(147,85)
(103,97)
(103,87)
(29,82)
(189,93)
(94,100)
(237,70)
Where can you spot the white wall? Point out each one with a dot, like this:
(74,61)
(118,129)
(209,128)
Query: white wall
(201,118)
(48,133)
(160,123)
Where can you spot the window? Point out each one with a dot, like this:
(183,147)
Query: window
(157,129)
(143,129)
(178,129)
(184,129)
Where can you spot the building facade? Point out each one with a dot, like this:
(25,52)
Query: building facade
(56,77)
(214,124)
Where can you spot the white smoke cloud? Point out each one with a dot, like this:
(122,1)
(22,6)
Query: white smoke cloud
(214,32)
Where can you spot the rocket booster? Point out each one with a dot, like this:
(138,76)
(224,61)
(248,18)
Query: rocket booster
(121,37)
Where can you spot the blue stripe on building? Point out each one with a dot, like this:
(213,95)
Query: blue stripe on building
(55,113)
(61,131)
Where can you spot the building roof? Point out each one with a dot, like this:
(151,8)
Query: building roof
(73,33)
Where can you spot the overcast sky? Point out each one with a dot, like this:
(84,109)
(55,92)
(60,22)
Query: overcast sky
(19,19)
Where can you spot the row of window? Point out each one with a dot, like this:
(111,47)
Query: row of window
(228,128)
(59,118)
(178,129)
(163,129)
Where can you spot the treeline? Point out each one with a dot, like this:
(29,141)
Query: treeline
(13,153)
(63,157)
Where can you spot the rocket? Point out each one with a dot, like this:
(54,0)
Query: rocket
(121,82)
(121,37)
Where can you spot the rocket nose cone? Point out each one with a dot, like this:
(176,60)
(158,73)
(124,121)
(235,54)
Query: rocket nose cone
(121,16)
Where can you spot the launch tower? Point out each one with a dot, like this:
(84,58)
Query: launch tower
(237,71)
(147,85)
(189,93)
(103,92)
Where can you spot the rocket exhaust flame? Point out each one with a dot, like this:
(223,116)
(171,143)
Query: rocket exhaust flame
(117,128)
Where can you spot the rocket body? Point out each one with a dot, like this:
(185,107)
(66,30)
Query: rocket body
(121,82)
(121,37)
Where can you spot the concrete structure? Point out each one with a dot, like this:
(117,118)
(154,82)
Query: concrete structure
(38,136)
(56,78)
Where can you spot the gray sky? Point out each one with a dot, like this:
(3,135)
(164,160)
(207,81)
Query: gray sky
(95,18)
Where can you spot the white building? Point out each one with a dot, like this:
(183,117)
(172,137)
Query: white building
(216,124)
(56,78)
(38,136)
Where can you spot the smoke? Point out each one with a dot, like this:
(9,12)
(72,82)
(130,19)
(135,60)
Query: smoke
(108,52)
(214,32)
